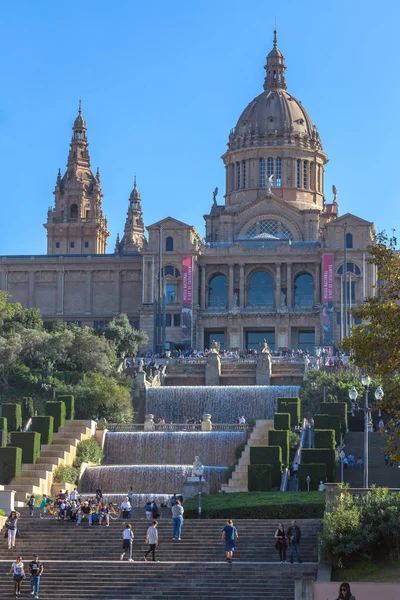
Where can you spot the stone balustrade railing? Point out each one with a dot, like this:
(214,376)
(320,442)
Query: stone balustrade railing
(126,427)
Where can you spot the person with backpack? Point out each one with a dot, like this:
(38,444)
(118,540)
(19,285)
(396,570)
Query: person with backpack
(31,504)
(229,539)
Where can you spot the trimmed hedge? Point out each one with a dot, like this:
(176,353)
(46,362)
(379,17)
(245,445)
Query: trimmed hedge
(338,409)
(310,456)
(316,472)
(356,422)
(259,478)
(44,426)
(12,412)
(282,421)
(324,438)
(292,406)
(56,409)
(3,427)
(27,408)
(69,402)
(29,442)
(268,455)
(329,422)
(280,438)
(258,505)
(10,464)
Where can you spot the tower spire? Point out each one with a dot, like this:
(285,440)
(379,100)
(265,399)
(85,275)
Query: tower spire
(275,68)
(133,239)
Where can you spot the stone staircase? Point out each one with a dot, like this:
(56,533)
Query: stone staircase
(83,562)
(258,437)
(379,474)
(37,478)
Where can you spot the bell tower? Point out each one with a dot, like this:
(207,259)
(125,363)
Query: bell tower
(134,238)
(76,224)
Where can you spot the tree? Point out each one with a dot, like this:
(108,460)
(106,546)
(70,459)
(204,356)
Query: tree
(103,397)
(91,353)
(8,309)
(375,344)
(126,339)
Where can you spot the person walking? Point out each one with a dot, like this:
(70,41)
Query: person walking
(345,592)
(127,542)
(281,543)
(31,505)
(36,570)
(229,539)
(294,537)
(152,541)
(148,510)
(12,528)
(17,569)
(177,519)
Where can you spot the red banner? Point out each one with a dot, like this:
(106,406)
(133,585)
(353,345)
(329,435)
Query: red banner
(187,280)
(327,278)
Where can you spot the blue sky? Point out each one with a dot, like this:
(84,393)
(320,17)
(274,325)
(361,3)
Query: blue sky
(163,83)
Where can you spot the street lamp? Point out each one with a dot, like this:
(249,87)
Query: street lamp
(379,393)
(353,394)
(366,380)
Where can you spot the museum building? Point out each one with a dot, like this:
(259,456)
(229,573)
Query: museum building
(277,261)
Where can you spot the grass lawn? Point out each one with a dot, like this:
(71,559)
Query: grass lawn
(388,572)
(259,505)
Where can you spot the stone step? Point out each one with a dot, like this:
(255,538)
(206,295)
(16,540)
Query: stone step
(50,460)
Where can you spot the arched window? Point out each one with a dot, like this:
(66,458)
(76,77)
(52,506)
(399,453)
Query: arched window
(218,291)
(169,244)
(74,211)
(170,270)
(351,268)
(262,172)
(278,181)
(269,227)
(349,240)
(261,289)
(298,174)
(304,290)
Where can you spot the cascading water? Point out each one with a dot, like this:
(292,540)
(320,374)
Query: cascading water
(166,448)
(145,479)
(223,403)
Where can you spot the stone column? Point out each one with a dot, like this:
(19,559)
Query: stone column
(89,293)
(118,294)
(60,292)
(289,285)
(213,369)
(230,286)
(317,284)
(31,289)
(203,288)
(241,286)
(206,424)
(278,285)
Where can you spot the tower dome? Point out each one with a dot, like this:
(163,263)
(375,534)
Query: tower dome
(274,117)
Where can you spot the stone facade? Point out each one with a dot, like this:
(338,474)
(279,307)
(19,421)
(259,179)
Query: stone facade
(256,275)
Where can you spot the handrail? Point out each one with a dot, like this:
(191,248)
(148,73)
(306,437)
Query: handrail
(297,456)
(284,480)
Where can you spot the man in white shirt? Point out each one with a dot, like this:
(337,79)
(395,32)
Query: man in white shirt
(126,508)
(74,494)
(152,540)
(127,541)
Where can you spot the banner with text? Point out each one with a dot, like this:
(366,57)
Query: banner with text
(187,300)
(327,300)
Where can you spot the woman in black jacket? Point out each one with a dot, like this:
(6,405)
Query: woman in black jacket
(281,543)
(345,592)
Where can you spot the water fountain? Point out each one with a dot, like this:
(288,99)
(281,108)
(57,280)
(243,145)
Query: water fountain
(216,448)
(178,403)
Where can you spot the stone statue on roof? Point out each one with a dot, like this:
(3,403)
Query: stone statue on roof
(215,194)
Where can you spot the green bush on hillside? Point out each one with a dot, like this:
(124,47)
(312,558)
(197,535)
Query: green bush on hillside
(337,409)
(280,438)
(282,421)
(10,464)
(88,451)
(69,402)
(12,412)
(29,442)
(44,426)
(3,428)
(329,422)
(65,473)
(56,409)
(259,478)
(324,438)
(321,455)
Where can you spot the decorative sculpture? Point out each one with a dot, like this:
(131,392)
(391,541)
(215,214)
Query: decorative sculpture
(215,347)
(264,348)
(197,469)
(268,183)
(334,190)
(215,194)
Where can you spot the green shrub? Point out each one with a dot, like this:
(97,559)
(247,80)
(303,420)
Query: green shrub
(280,438)
(316,472)
(44,426)
(258,505)
(88,451)
(282,421)
(329,422)
(324,438)
(65,473)
(338,409)
(27,409)
(321,455)
(12,412)
(294,441)
(259,478)
(268,455)
(3,428)
(29,442)
(292,406)
(56,409)
(69,402)
(10,464)
(2,513)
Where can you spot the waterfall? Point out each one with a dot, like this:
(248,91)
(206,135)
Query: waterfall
(145,479)
(216,448)
(178,403)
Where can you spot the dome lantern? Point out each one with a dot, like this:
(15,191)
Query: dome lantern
(275,69)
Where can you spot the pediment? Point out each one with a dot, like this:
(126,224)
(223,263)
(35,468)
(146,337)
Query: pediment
(349,218)
(269,204)
(169,223)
